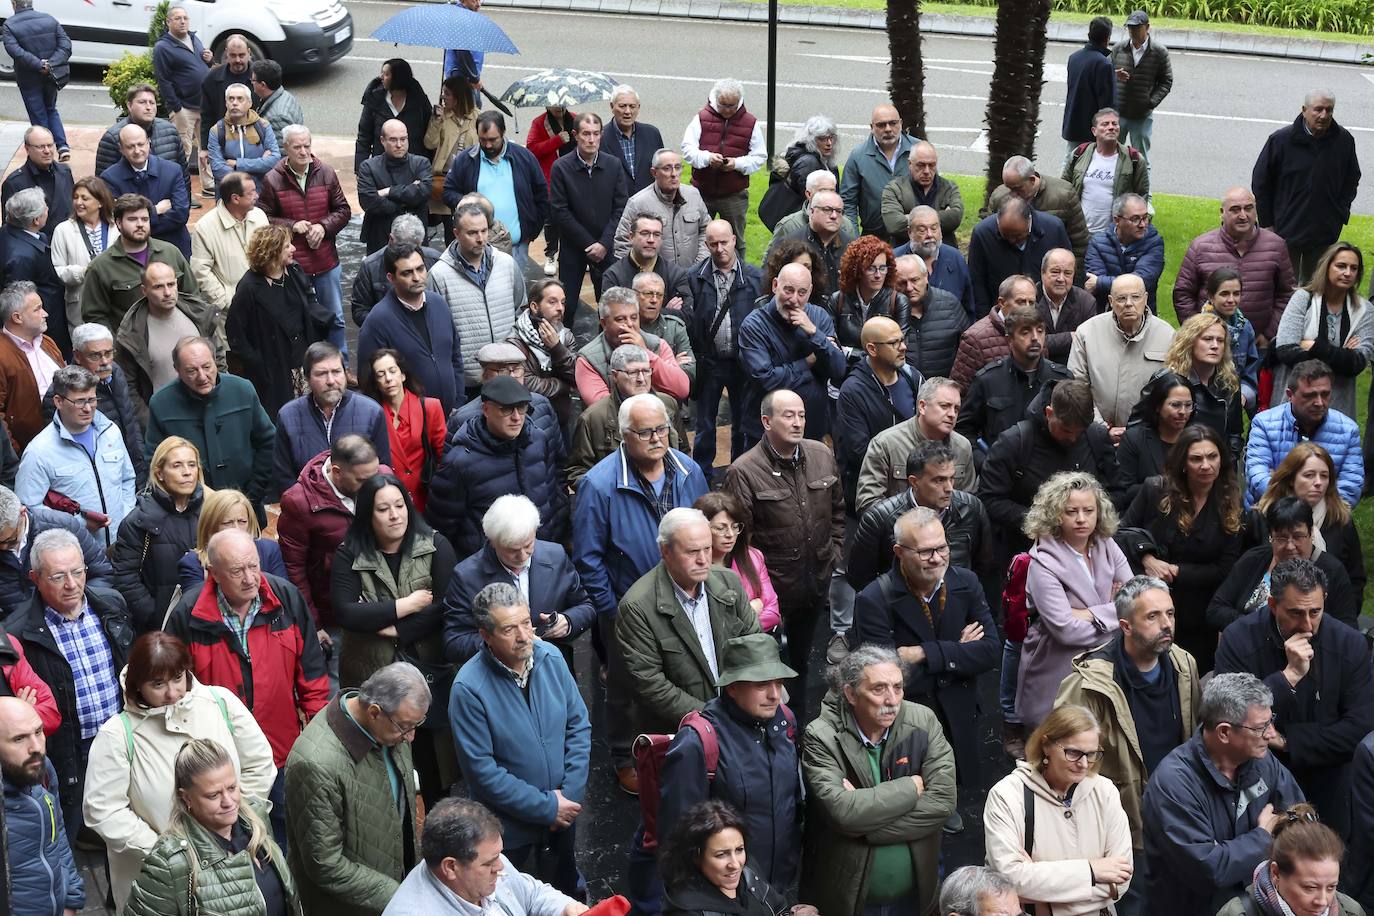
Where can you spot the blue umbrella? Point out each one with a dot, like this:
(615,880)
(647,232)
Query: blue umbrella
(445,25)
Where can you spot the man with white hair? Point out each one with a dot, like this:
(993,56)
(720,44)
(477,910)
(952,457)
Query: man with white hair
(679,208)
(541,570)
(924,186)
(796,222)
(629,139)
(350,795)
(620,503)
(25,254)
(370,283)
(976,890)
(242,140)
(683,593)
(945,263)
(724,145)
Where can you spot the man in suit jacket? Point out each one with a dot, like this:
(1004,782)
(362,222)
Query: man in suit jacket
(631,140)
(139,172)
(24,255)
(28,361)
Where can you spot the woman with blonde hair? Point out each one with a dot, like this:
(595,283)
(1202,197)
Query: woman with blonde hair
(162,527)
(225,509)
(273,317)
(1300,875)
(1328,320)
(1078,860)
(218,856)
(1075,570)
(1308,473)
(1201,354)
(128,801)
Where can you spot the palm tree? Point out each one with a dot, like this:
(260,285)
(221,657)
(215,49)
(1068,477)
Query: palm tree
(907,77)
(1037,35)
(1009,92)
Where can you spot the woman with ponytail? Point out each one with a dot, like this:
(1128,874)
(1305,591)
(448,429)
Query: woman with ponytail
(1300,876)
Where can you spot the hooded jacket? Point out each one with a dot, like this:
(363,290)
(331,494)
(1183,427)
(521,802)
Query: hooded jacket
(481,314)
(104,482)
(1092,684)
(933,339)
(252,145)
(1054,876)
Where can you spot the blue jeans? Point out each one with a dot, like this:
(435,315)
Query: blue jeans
(40,102)
(327,291)
(1006,693)
(1136,132)
(903,907)
(714,379)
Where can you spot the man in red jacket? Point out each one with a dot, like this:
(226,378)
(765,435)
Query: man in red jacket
(304,195)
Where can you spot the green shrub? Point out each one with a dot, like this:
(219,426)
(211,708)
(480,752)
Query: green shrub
(158,25)
(129,69)
(1348,16)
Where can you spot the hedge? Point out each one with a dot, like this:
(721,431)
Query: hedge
(1349,16)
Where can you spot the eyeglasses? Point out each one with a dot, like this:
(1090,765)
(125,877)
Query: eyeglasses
(648,435)
(1135,298)
(100,356)
(634,373)
(1185,406)
(875,268)
(927,553)
(732,528)
(75,575)
(79,403)
(406,729)
(1260,730)
(1289,540)
(829,211)
(507,410)
(1076,755)
(1140,220)
(894,343)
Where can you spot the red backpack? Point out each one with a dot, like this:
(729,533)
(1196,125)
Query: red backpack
(1016,610)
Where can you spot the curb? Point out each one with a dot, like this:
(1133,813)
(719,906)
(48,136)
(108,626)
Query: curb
(1244,43)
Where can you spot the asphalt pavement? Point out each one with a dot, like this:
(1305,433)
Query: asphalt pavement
(1206,136)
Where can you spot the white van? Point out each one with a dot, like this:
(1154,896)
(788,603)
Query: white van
(298,34)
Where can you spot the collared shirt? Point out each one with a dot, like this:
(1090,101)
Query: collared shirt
(699,613)
(792,462)
(522,579)
(1138,53)
(521,677)
(588,166)
(347,501)
(496,182)
(627,147)
(724,340)
(660,500)
(301,177)
(236,626)
(82,643)
(40,363)
(864,738)
(481,272)
(393,774)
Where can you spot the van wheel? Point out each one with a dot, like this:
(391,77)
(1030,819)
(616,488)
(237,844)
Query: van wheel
(255,50)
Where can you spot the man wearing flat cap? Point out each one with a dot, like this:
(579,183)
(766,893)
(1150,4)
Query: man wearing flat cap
(497,452)
(504,358)
(1144,77)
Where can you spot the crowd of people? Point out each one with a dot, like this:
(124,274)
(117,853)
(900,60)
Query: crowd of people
(948,460)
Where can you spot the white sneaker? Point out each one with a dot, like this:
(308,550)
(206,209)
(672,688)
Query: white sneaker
(550,267)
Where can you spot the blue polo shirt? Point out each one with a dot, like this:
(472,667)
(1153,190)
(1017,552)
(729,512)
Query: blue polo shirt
(496,183)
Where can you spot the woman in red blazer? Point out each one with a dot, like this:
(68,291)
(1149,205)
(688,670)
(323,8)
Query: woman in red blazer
(415,424)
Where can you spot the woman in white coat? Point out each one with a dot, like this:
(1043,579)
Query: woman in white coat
(130,780)
(77,241)
(1072,855)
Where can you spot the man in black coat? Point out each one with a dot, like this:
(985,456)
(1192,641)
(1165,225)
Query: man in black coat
(587,194)
(936,320)
(25,255)
(391,184)
(1014,240)
(76,638)
(236,67)
(1323,685)
(42,170)
(936,617)
(1002,391)
(631,140)
(141,102)
(1091,84)
(1305,181)
(646,238)
(880,392)
(1359,882)
(370,284)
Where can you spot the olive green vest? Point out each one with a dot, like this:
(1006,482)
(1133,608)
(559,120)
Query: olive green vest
(363,653)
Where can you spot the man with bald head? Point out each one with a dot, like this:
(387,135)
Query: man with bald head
(393,183)
(1305,181)
(790,343)
(922,186)
(936,320)
(1063,305)
(944,263)
(139,172)
(792,223)
(872,166)
(880,392)
(43,877)
(1260,255)
(40,169)
(1011,240)
(724,289)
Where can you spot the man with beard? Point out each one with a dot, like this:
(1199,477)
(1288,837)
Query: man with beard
(43,878)
(1145,708)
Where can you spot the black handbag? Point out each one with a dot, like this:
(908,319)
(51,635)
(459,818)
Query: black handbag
(431,460)
(778,201)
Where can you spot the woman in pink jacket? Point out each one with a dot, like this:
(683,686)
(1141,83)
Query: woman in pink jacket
(730,524)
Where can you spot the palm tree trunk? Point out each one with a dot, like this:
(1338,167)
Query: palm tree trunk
(907,78)
(1038,18)
(1009,104)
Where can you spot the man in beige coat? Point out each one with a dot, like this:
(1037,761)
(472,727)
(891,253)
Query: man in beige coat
(1118,352)
(219,241)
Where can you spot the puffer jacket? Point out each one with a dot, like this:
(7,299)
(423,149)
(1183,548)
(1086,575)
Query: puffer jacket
(1266,277)
(152,540)
(798,517)
(847,826)
(1055,878)
(1058,198)
(224,882)
(849,316)
(43,877)
(684,224)
(1092,684)
(1274,432)
(302,434)
(481,314)
(1150,80)
(933,339)
(1108,259)
(281,198)
(132,763)
(984,341)
(900,197)
(163,140)
(347,848)
(54,460)
(32,37)
(478,467)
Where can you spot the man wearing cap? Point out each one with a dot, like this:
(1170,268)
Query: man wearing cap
(1144,77)
(506,359)
(491,455)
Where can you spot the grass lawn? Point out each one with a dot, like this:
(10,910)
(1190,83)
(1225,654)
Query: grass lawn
(989,11)
(1179,219)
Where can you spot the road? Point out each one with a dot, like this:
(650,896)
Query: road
(1206,137)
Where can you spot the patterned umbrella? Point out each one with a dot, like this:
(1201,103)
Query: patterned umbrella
(445,25)
(563,88)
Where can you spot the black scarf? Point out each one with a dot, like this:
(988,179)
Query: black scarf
(1154,706)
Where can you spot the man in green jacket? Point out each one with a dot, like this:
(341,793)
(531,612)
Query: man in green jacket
(350,798)
(879,778)
(922,186)
(1103,170)
(675,621)
(114,278)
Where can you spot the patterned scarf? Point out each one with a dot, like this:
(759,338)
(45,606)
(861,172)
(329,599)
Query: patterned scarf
(529,335)
(1267,896)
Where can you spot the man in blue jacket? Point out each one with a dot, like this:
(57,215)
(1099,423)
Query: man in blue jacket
(524,738)
(140,172)
(43,878)
(1091,84)
(40,49)
(1014,240)
(1319,672)
(1305,414)
(510,177)
(181,63)
(1131,245)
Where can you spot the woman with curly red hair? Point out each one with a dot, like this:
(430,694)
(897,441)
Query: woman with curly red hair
(868,277)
